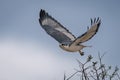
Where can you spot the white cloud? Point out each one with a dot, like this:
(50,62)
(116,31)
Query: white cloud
(21,60)
(17,61)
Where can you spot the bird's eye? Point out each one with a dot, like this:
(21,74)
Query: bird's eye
(64,44)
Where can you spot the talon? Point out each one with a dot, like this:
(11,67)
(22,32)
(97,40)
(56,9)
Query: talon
(81,53)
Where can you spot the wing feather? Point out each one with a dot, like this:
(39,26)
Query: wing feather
(90,32)
(54,28)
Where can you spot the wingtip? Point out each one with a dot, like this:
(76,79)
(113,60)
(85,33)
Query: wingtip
(42,10)
(91,21)
(99,23)
(42,13)
(96,20)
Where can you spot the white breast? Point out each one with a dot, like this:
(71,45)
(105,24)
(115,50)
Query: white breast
(72,48)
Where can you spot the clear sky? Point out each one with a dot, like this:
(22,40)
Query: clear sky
(28,53)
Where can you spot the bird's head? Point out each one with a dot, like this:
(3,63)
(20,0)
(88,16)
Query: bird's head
(63,45)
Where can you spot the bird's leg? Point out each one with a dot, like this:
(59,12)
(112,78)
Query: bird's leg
(81,53)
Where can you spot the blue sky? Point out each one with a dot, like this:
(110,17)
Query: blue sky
(28,53)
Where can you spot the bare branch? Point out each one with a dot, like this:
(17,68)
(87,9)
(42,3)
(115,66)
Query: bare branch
(72,75)
(95,70)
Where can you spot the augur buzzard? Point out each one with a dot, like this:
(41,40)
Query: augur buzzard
(66,39)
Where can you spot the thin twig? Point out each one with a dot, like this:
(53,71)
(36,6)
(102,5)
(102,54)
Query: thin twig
(72,75)
(92,76)
(118,76)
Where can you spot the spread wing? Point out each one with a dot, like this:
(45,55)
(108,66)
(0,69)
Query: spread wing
(54,28)
(90,32)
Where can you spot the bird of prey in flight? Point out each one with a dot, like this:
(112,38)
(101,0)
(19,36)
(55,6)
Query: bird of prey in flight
(67,40)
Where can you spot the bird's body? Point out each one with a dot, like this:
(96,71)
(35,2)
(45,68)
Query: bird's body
(66,39)
(72,48)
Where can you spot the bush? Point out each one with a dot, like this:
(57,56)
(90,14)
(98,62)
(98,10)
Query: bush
(95,70)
